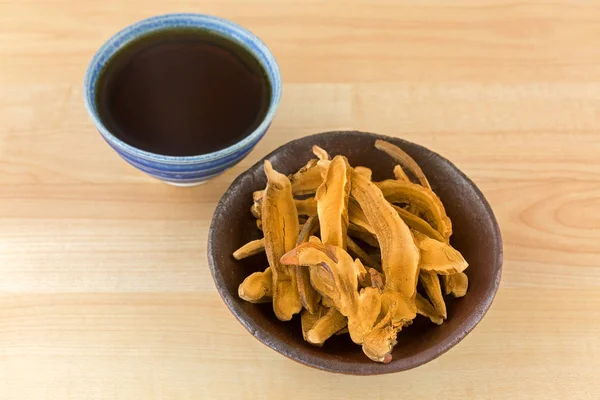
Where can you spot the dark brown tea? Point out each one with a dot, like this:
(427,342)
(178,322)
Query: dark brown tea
(182,92)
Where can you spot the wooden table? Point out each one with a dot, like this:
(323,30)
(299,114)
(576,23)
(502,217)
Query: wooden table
(105,291)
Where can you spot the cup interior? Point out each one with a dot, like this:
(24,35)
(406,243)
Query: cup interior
(218,26)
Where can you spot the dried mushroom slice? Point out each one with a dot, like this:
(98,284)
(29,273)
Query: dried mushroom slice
(397,314)
(307,179)
(380,341)
(431,284)
(399,254)
(249,249)
(423,199)
(335,275)
(308,319)
(258,287)
(359,224)
(320,153)
(456,284)
(404,159)
(310,227)
(399,174)
(305,207)
(258,195)
(418,224)
(309,297)
(364,171)
(326,326)
(425,308)
(256,208)
(400,264)
(280,227)
(357,216)
(438,257)
(332,202)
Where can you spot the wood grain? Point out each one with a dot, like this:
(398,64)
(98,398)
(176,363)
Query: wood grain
(105,291)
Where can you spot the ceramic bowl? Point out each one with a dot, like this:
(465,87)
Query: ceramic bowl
(476,235)
(189,170)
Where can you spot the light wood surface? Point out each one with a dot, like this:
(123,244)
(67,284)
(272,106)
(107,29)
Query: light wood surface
(105,291)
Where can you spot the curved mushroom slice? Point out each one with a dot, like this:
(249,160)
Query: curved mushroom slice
(379,343)
(309,297)
(320,153)
(310,227)
(257,195)
(308,319)
(399,174)
(404,159)
(399,254)
(400,264)
(364,171)
(305,207)
(256,208)
(257,287)
(357,216)
(425,201)
(307,179)
(456,284)
(335,275)
(418,224)
(249,249)
(438,257)
(431,284)
(326,326)
(361,224)
(332,202)
(280,227)
(425,308)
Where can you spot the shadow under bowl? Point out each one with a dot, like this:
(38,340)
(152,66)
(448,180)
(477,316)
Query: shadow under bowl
(476,235)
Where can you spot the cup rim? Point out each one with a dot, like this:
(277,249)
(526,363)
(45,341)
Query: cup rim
(231,31)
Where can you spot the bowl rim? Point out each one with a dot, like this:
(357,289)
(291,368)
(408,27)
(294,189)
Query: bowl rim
(341,366)
(224,27)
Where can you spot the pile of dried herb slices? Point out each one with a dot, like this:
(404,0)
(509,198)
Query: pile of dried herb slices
(359,257)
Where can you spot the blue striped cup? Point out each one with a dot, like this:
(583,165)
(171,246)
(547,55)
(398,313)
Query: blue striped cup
(187,170)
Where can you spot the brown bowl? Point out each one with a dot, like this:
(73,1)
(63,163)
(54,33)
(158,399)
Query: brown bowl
(476,236)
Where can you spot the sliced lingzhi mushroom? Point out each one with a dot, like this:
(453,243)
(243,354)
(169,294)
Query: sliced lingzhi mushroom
(280,228)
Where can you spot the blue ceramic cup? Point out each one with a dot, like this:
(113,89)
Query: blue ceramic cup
(196,169)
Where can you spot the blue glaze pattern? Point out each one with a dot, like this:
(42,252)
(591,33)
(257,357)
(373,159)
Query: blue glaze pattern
(187,170)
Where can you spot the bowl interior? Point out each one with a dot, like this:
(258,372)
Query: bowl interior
(476,236)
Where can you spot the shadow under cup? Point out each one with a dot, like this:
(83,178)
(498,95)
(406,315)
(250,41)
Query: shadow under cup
(187,168)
